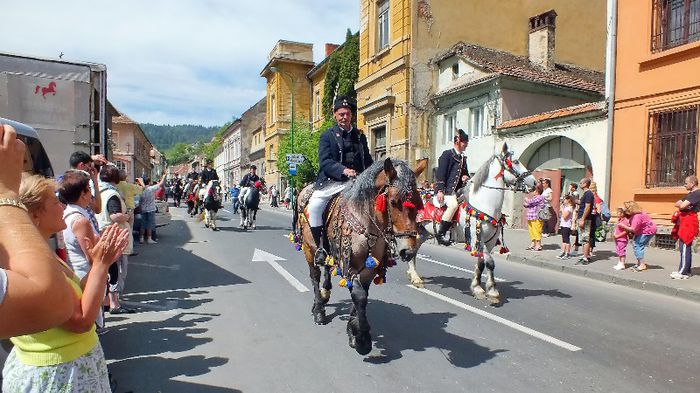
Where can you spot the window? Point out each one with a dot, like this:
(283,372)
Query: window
(476,121)
(448,129)
(675,22)
(121,165)
(273,109)
(317,105)
(379,142)
(672,147)
(382,25)
(455,71)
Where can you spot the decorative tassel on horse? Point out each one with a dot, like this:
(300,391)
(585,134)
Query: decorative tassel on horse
(371,262)
(409,205)
(380,203)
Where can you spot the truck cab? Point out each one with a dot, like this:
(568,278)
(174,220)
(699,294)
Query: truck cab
(36,161)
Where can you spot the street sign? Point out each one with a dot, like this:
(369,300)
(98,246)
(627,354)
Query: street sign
(292,169)
(295,158)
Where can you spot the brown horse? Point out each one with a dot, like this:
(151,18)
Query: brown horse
(372,220)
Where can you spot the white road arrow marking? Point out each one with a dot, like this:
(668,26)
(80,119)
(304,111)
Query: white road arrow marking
(503,321)
(264,256)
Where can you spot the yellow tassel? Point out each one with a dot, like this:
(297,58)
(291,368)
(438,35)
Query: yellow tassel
(334,272)
(343,282)
(331,261)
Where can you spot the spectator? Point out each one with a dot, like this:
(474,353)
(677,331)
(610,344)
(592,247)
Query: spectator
(74,190)
(148,210)
(128,192)
(586,227)
(596,221)
(549,225)
(688,208)
(28,274)
(114,212)
(534,224)
(274,195)
(567,213)
(621,239)
(574,194)
(235,191)
(91,164)
(288,196)
(643,229)
(69,357)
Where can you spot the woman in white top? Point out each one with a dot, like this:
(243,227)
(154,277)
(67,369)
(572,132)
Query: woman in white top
(74,191)
(567,215)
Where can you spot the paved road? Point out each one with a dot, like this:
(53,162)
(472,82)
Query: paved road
(216,321)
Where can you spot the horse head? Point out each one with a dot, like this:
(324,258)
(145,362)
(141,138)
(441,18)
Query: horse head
(514,173)
(397,204)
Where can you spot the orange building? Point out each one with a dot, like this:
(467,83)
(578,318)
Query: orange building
(656,103)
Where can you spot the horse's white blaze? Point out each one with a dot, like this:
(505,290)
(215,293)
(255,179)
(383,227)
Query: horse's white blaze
(501,320)
(425,258)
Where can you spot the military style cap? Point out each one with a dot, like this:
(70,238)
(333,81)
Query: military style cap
(344,102)
(462,135)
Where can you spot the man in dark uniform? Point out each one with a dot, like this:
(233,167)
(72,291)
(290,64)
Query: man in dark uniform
(452,174)
(208,174)
(342,154)
(248,181)
(193,175)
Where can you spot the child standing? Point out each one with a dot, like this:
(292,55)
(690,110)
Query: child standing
(567,213)
(621,238)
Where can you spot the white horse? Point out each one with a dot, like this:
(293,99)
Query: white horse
(212,203)
(481,213)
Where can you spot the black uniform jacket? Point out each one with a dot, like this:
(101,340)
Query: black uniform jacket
(330,155)
(208,175)
(249,180)
(451,168)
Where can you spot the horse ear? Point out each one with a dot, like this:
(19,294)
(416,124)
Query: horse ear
(389,169)
(505,148)
(422,164)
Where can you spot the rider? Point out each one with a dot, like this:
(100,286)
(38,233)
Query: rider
(342,154)
(452,174)
(248,181)
(192,174)
(208,174)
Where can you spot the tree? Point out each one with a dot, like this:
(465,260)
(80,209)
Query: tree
(306,143)
(178,154)
(341,73)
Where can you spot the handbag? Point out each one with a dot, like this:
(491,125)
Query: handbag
(543,213)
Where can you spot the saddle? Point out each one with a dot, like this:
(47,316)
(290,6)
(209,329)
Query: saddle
(430,212)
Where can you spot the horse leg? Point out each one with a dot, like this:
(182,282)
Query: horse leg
(492,293)
(358,328)
(254,215)
(413,275)
(475,286)
(318,310)
(327,285)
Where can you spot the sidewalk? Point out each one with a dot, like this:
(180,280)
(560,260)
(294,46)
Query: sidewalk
(656,278)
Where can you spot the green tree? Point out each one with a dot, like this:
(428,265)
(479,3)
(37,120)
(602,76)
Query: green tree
(306,143)
(178,154)
(341,73)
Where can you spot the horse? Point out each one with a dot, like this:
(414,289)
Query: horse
(212,204)
(479,218)
(249,207)
(368,223)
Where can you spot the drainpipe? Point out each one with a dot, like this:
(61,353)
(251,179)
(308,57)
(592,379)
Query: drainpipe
(610,90)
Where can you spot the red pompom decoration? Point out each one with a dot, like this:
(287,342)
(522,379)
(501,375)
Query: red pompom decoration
(380,203)
(494,222)
(409,205)
(481,216)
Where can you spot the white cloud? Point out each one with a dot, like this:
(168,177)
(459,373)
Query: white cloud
(176,61)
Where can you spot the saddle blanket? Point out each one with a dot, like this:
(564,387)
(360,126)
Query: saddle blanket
(430,212)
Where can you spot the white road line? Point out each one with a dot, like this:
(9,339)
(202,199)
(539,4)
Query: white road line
(292,280)
(170,306)
(173,267)
(503,321)
(227,211)
(425,258)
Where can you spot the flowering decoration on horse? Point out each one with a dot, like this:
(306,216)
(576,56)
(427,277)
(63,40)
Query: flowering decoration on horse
(380,203)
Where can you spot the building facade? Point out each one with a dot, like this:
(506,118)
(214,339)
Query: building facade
(399,40)
(656,103)
(131,148)
(287,92)
(227,160)
(252,120)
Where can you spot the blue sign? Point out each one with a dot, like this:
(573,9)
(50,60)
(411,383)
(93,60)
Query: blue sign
(292,169)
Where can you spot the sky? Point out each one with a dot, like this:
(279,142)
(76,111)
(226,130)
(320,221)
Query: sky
(175,61)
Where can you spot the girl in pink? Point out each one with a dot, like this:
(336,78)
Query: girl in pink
(621,238)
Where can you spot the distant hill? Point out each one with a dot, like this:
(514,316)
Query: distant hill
(165,136)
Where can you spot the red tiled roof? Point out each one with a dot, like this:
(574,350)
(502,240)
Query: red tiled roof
(558,113)
(505,63)
(122,119)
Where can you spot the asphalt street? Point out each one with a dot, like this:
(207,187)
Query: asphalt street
(219,316)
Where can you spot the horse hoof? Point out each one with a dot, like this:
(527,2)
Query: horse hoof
(320,317)
(363,344)
(352,340)
(494,301)
(479,293)
(418,283)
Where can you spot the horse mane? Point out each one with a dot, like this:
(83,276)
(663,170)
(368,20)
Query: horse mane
(361,192)
(482,174)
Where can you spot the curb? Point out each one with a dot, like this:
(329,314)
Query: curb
(609,278)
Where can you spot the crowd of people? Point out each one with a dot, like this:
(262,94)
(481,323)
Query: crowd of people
(52,304)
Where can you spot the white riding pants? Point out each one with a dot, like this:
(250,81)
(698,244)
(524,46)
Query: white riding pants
(318,201)
(452,205)
(242,195)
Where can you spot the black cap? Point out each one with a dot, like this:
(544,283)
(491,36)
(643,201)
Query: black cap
(253,167)
(461,135)
(344,102)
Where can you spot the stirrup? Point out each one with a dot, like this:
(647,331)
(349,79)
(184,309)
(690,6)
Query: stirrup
(442,241)
(320,257)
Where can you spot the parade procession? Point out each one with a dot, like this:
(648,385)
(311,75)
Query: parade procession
(372,195)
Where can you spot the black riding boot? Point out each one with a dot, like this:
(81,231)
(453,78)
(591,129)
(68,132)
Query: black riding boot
(320,240)
(444,228)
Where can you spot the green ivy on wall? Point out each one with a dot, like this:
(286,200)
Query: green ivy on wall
(341,73)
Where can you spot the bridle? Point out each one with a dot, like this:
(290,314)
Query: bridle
(390,236)
(507,166)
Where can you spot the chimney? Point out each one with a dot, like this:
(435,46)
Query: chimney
(541,40)
(330,48)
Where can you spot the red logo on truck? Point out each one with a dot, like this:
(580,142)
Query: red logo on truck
(51,88)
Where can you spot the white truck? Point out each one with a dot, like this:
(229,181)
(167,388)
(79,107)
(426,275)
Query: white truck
(64,101)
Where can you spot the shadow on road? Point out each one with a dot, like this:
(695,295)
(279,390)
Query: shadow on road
(396,328)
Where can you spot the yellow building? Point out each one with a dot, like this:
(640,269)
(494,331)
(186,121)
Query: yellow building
(317,78)
(399,38)
(285,72)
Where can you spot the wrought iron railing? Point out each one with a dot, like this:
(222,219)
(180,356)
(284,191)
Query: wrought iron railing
(672,147)
(674,23)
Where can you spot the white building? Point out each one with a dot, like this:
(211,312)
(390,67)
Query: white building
(227,161)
